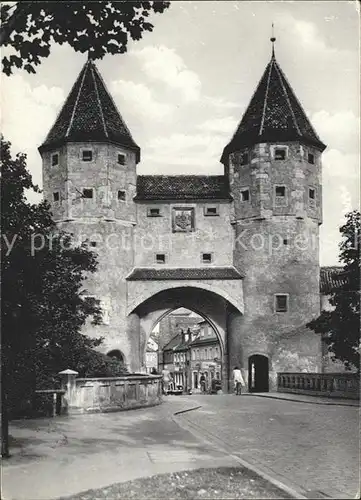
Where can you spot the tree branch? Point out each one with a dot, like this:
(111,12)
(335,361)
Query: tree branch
(8,27)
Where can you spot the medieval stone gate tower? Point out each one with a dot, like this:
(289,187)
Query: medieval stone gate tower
(241,248)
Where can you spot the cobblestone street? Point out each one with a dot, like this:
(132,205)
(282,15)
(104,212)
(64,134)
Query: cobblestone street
(315,447)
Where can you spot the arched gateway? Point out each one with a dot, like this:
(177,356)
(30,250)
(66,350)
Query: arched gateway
(210,301)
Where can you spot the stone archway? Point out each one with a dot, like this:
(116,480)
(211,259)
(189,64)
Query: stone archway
(210,305)
(117,354)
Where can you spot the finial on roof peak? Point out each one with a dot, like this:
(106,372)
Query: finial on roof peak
(273,39)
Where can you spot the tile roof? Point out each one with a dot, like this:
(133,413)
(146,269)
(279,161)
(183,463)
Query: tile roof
(274,114)
(89,114)
(182,187)
(205,273)
(204,340)
(173,342)
(331,278)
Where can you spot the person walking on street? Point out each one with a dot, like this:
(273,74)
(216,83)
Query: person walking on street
(166,380)
(203,383)
(238,380)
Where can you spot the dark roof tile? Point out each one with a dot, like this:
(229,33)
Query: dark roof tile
(182,187)
(89,114)
(206,273)
(274,114)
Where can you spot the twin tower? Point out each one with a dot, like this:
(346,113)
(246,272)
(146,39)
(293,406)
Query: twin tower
(241,248)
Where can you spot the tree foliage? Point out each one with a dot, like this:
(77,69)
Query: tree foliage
(43,274)
(99,28)
(341,326)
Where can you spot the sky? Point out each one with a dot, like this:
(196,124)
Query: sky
(183,89)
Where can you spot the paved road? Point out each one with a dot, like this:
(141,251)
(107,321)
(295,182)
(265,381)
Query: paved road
(315,446)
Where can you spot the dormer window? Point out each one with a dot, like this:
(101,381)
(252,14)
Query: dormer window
(211,211)
(244,158)
(280,154)
(54,159)
(87,155)
(311,158)
(121,158)
(88,193)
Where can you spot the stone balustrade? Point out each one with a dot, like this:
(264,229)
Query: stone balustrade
(91,395)
(338,385)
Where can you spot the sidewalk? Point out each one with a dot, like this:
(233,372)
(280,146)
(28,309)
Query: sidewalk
(60,457)
(304,398)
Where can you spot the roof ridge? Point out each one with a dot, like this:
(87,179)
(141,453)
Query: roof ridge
(77,98)
(266,95)
(113,102)
(98,99)
(280,76)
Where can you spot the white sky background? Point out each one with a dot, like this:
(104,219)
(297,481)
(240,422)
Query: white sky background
(183,89)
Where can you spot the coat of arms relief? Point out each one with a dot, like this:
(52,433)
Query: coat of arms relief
(183,219)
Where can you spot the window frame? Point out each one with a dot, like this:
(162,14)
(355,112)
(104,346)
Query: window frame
(210,207)
(150,214)
(58,194)
(122,200)
(87,197)
(311,199)
(274,148)
(277,309)
(160,261)
(282,186)
(124,156)
(86,150)
(56,153)
(245,190)
(207,261)
(311,155)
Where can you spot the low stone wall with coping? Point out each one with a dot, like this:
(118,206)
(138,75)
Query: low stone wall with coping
(334,385)
(94,395)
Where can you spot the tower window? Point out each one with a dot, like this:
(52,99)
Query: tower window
(121,158)
(88,193)
(160,258)
(56,196)
(311,193)
(211,211)
(93,244)
(121,195)
(244,158)
(153,212)
(280,191)
(207,258)
(285,241)
(281,302)
(54,159)
(311,158)
(280,154)
(87,155)
(245,195)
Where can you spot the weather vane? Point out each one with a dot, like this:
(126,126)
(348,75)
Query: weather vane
(273,39)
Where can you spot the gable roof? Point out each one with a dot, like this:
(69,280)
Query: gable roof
(182,187)
(89,114)
(274,114)
(174,341)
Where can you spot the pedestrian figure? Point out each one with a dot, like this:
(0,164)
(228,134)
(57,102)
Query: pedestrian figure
(238,380)
(203,383)
(166,380)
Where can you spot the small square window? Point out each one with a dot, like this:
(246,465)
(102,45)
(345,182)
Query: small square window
(244,158)
(285,241)
(54,159)
(121,195)
(311,158)
(311,193)
(211,211)
(87,155)
(206,258)
(281,303)
(280,154)
(56,196)
(93,243)
(121,158)
(153,212)
(160,258)
(245,195)
(88,193)
(280,191)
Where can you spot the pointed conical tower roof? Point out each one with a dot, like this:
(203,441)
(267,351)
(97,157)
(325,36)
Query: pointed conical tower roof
(273,115)
(89,114)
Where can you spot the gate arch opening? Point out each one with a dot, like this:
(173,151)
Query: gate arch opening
(258,373)
(116,354)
